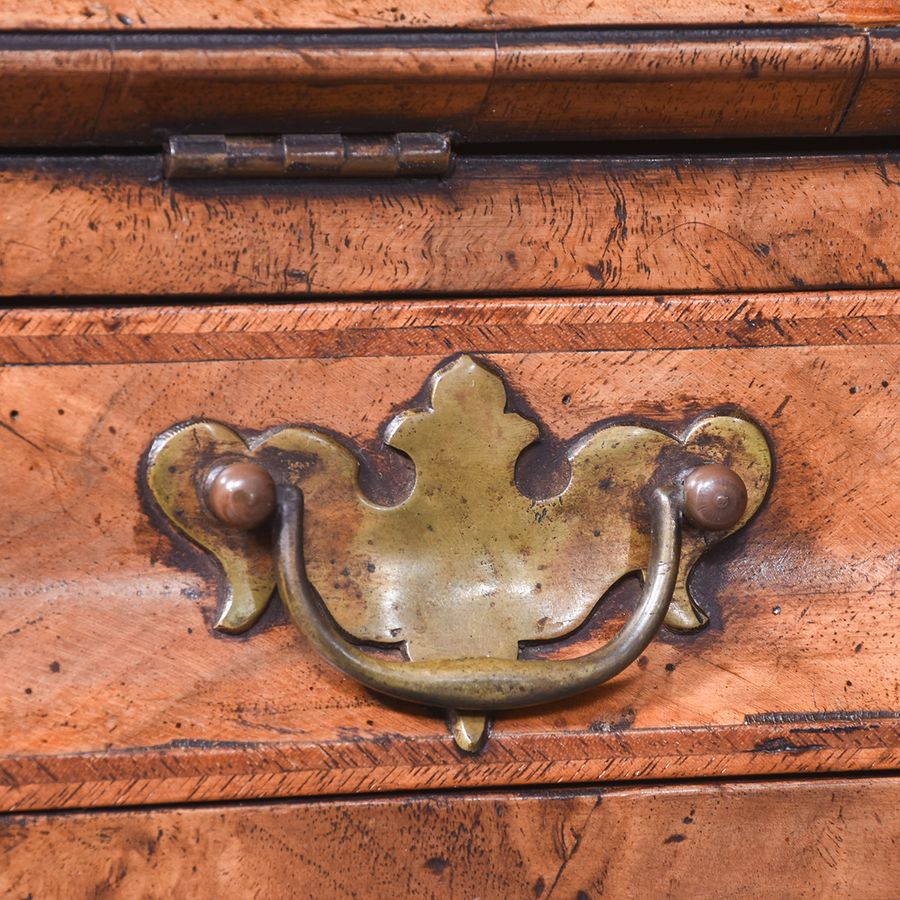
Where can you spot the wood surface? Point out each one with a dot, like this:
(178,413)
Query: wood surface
(876,109)
(92,15)
(151,334)
(795,839)
(117,691)
(586,85)
(114,227)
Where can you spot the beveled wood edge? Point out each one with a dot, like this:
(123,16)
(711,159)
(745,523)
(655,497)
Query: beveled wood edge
(875,106)
(840,59)
(575,54)
(713,785)
(189,772)
(190,333)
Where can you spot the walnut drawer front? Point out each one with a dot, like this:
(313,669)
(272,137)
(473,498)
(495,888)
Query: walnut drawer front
(116,227)
(119,691)
(828,837)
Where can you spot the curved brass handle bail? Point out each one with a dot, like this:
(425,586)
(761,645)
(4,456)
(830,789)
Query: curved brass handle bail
(481,684)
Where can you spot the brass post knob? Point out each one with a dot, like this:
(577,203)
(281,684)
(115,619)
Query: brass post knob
(241,494)
(715,497)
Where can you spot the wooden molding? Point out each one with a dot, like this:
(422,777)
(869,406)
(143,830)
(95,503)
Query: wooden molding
(76,15)
(133,89)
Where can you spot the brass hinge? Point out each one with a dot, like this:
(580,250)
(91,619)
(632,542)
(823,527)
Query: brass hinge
(307,155)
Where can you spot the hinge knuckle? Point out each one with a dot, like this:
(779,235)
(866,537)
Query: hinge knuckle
(307,155)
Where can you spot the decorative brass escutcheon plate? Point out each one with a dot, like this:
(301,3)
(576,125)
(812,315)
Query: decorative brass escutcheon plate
(465,566)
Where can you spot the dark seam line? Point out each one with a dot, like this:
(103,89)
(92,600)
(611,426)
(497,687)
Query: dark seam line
(561,791)
(450,36)
(70,303)
(857,88)
(439,351)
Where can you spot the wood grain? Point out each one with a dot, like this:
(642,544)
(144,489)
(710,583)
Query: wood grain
(589,85)
(876,109)
(673,85)
(409,328)
(114,227)
(822,838)
(486,14)
(118,691)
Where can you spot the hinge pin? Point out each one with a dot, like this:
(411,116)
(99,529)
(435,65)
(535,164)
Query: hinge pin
(307,155)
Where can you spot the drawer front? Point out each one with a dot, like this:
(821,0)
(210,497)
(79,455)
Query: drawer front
(819,838)
(120,692)
(115,227)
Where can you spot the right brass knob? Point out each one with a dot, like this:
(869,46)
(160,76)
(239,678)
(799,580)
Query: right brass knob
(715,497)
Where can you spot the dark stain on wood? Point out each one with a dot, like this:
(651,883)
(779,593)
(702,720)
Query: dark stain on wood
(784,745)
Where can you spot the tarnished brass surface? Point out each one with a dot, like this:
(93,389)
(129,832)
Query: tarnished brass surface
(714,497)
(181,460)
(307,155)
(241,494)
(469,729)
(466,566)
(465,682)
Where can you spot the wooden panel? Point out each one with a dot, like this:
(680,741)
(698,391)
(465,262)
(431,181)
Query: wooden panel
(824,838)
(115,227)
(125,91)
(877,106)
(739,84)
(118,692)
(131,89)
(340,14)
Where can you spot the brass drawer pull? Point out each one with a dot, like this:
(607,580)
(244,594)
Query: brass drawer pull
(464,567)
(480,684)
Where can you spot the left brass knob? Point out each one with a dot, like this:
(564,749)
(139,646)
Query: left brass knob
(241,494)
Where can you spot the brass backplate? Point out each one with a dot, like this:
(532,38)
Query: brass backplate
(465,565)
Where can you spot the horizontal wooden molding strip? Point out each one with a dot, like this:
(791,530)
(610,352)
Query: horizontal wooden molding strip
(159,334)
(202,771)
(77,15)
(578,86)
(115,228)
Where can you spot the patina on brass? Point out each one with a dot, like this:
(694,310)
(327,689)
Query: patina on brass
(241,494)
(465,567)
(307,155)
(486,682)
(715,497)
